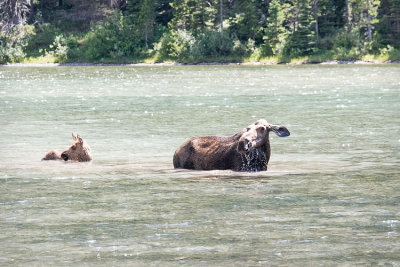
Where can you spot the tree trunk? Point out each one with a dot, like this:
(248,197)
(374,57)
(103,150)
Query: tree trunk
(348,16)
(315,14)
(369,26)
(221,17)
(146,38)
(14,13)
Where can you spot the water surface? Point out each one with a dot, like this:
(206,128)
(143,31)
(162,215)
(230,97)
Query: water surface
(330,196)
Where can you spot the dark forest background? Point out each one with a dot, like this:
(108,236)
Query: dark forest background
(122,31)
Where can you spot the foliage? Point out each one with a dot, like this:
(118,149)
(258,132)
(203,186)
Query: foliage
(175,45)
(141,15)
(12,13)
(211,44)
(183,46)
(388,23)
(275,32)
(45,35)
(113,38)
(389,53)
(13,43)
(197,31)
(59,48)
(192,15)
(245,23)
(302,41)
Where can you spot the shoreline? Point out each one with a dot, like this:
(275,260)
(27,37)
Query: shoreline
(255,63)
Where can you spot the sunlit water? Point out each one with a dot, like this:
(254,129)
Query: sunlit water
(330,197)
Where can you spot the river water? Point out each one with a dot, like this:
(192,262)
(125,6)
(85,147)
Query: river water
(330,197)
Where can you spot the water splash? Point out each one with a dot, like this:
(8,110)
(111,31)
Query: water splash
(254,161)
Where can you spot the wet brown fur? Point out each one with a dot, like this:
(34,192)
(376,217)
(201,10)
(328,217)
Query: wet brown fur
(222,153)
(212,153)
(52,155)
(78,151)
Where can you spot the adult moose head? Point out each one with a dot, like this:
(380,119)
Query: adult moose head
(78,151)
(248,150)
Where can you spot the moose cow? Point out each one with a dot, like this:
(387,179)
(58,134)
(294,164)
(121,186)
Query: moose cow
(248,150)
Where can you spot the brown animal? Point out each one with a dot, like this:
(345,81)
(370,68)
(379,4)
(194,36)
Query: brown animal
(78,151)
(248,150)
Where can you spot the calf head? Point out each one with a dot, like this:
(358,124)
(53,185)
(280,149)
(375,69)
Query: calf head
(257,135)
(78,151)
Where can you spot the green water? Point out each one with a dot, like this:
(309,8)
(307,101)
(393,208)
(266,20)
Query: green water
(330,197)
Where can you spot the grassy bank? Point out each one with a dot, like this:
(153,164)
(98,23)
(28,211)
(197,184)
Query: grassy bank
(272,60)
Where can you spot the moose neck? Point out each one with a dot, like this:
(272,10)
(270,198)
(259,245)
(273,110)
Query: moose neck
(257,159)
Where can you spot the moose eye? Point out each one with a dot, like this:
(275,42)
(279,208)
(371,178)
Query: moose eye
(73,147)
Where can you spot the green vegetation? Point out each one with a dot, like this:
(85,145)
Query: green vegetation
(191,31)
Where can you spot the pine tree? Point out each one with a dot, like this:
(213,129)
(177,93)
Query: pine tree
(141,15)
(163,11)
(245,22)
(302,41)
(146,19)
(389,23)
(275,32)
(361,16)
(194,16)
(330,18)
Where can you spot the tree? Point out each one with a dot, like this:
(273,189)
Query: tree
(361,17)
(315,13)
(141,14)
(163,12)
(302,40)
(368,17)
(330,17)
(145,19)
(275,32)
(221,17)
(244,24)
(348,15)
(194,16)
(117,4)
(14,12)
(388,26)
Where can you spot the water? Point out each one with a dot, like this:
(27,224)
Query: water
(331,195)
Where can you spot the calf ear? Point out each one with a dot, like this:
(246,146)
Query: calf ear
(80,139)
(73,137)
(280,131)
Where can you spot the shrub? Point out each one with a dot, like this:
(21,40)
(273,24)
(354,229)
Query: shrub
(183,46)
(13,44)
(246,49)
(113,38)
(389,53)
(347,40)
(211,44)
(45,35)
(342,53)
(175,45)
(59,49)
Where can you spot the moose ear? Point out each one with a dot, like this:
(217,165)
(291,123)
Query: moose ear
(79,138)
(73,137)
(280,131)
